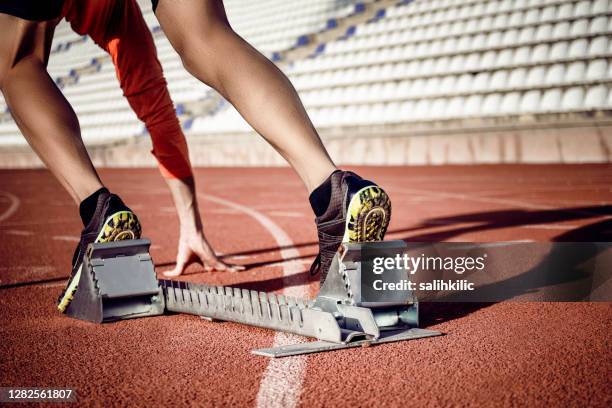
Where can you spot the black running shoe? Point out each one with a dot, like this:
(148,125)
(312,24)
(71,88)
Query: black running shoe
(358,211)
(112,221)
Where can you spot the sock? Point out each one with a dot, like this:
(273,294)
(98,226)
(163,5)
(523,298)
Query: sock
(87,208)
(320,197)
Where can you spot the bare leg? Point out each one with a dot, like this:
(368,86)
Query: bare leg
(40,110)
(217,56)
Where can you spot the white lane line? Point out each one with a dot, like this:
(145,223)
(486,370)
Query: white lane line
(18,232)
(235,257)
(291,214)
(281,384)
(14,204)
(68,238)
(223,211)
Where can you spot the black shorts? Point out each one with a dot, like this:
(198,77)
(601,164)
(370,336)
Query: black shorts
(36,10)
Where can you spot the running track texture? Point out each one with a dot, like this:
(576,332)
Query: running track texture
(502,354)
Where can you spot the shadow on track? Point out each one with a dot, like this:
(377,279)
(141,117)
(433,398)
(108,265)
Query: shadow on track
(582,284)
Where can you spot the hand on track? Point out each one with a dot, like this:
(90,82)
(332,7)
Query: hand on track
(194,248)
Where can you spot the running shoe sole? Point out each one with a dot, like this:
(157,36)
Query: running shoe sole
(120,226)
(368,215)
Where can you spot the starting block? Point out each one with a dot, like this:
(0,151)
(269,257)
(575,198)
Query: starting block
(118,282)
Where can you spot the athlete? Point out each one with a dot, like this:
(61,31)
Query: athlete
(346,207)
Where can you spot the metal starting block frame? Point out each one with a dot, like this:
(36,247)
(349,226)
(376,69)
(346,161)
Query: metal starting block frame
(118,282)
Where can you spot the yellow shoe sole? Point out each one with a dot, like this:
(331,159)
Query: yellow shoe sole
(368,215)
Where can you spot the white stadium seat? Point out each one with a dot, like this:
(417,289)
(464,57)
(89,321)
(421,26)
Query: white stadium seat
(598,46)
(510,103)
(573,98)
(600,6)
(530,101)
(559,50)
(555,74)
(599,25)
(575,72)
(578,48)
(596,97)
(517,78)
(544,32)
(535,76)
(597,70)
(491,104)
(540,53)
(561,30)
(582,8)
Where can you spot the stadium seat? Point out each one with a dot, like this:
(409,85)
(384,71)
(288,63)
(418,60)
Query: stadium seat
(559,50)
(540,53)
(599,25)
(561,30)
(544,32)
(530,101)
(598,46)
(491,104)
(510,103)
(555,74)
(575,72)
(600,7)
(548,13)
(596,97)
(582,8)
(572,98)
(597,70)
(517,78)
(536,76)
(472,106)
(551,100)
(578,48)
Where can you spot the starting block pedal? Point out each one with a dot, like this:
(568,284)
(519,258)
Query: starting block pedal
(117,282)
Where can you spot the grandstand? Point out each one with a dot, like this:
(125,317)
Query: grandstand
(422,81)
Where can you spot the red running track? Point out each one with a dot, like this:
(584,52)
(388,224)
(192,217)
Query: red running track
(504,354)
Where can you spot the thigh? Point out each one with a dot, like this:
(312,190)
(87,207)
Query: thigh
(23,39)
